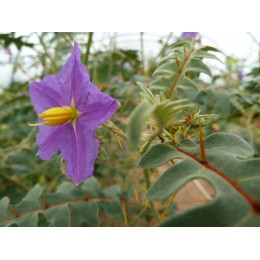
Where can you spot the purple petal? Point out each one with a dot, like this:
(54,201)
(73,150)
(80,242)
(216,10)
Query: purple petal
(74,78)
(8,49)
(80,149)
(185,35)
(240,75)
(50,139)
(78,146)
(99,108)
(47,94)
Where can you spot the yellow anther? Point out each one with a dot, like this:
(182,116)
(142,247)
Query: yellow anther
(58,115)
(56,111)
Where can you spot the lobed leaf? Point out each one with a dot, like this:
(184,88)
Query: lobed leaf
(69,206)
(236,180)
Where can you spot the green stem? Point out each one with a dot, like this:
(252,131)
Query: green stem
(165,45)
(14,182)
(46,53)
(148,184)
(147,179)
(90,37)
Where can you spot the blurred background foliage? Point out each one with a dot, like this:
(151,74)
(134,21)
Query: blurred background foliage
(233,92)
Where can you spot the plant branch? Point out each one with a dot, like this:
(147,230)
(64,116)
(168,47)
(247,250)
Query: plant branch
(180,72)
(255,204)
(46,206)
(14,182)
(90,37)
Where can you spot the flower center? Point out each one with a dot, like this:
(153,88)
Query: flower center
(60,115)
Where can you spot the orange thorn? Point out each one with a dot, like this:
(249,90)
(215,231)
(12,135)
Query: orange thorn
(137,199)
(124,212)
(163,215)
(118,140)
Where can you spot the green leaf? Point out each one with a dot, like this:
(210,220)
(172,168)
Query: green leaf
(182,58)
(174,178)
(58,216)
(189,146)
(229,143)
(209,48)
(112,207)
(85,213)
(69,206)
(32,200)
(30,203)
(237,174)
(227,209)
(163,84)
(180,44)
(188,83)
(158,155)
(5,212)
(196,65)
(167,69)
(171,57)
(136,122)
(201,53)
(164,112)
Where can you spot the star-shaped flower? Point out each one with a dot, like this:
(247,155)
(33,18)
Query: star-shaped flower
(70,108)
(186,35)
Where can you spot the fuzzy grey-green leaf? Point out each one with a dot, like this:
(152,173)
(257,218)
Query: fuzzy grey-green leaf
(197,65)
(136,122)
(158,155)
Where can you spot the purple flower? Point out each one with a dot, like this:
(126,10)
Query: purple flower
(186,35)
(117,79)
(9,52)
(240,75)
(70,108)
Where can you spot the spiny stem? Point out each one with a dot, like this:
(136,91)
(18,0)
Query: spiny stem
(255,204)
(90,37)
(180,72)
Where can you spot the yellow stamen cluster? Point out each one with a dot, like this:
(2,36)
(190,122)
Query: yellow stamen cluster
(57,116)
